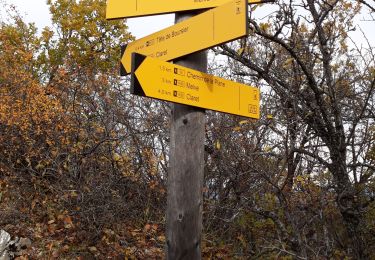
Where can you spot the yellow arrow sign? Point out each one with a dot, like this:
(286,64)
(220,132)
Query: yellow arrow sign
(133,8)
(166,81)
(216,26)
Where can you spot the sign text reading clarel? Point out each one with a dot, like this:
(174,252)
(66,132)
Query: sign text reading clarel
(216,26)
(166,81)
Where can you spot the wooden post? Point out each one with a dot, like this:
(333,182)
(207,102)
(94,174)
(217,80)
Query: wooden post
(185,177)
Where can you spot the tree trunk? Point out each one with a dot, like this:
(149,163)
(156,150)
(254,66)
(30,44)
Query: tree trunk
(348,204)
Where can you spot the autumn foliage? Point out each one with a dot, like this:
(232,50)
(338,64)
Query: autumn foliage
(61,150)
(83,164)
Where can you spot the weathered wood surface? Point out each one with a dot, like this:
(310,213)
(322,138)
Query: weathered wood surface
(185,177)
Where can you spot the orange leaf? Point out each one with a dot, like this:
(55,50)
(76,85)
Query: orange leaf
(147,227)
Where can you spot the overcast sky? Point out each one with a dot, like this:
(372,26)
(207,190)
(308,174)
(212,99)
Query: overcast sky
(37,11)
(33,10)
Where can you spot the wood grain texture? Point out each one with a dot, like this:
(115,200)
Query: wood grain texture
(185,178)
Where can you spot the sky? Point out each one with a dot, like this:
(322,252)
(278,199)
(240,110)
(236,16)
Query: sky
(33,10)
(37,11)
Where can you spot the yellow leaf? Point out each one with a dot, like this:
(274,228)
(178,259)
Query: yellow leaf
(240,51)
(264,26)
(116,157)
(40,166)
(267,149)
(287,63)
(218,145)
(161,238)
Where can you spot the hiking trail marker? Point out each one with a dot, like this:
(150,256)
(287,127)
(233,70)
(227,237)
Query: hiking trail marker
(191,90)
(208,29)
(118,9)
(166,81)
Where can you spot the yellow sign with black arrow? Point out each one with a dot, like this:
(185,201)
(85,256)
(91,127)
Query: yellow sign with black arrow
(162,80)
(213,27)
(117,9)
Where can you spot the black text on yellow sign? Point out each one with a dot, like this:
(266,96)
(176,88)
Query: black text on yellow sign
(117,9)
(216,26)
(166,81)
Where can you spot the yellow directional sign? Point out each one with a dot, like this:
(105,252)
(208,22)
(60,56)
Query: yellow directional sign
(133,8)
(166,81)
(216,26)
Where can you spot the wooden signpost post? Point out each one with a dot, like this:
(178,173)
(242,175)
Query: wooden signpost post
(186,171)
(192,90)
